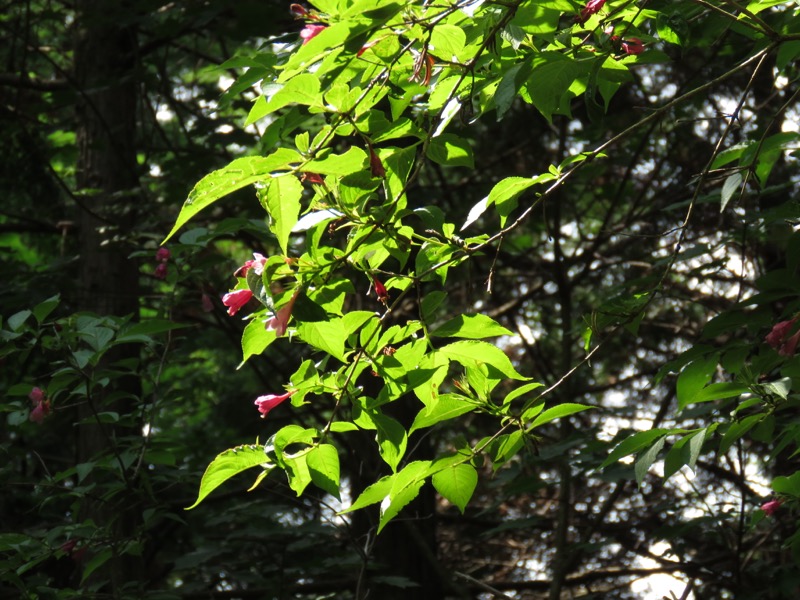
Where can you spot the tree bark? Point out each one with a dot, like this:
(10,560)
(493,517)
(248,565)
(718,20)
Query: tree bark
(107,182)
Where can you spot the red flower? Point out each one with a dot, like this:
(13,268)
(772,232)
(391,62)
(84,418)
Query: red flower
(281,319)
(313,178)
(160,271)
(41,405)
(236,299)
(267,403)
(777,337)
(162,254)
(771,507)
(380,290)
(298,11)
(257,264)
(311,31)
(592,7)
(633,46)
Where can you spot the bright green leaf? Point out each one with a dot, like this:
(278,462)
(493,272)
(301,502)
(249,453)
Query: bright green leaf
(226,465)
(457,484)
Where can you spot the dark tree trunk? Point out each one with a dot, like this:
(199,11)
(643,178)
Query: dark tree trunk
(107,181)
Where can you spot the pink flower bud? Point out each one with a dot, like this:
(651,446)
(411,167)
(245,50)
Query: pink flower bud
(163,254)
(633,46)
(236,299)
(257,264)
(160,271)
(380,290)
(771,507)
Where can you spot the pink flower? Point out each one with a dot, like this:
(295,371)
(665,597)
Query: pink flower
(163,254)
(777,337)
(633,46)
(257,264)
(236,299)
(592,7)
(380,290)
(160,271)
(41,406)
(281,319)
(311,31)
(771,507)
(267,403)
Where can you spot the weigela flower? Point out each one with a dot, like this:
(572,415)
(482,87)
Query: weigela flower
(297,11)
(41,405)
(310,31)
(160,271)
(280,321)
(632,46)
(380,290)
(592,7)
(270,401)
(257,264)
(771,507)
(236,299)
(163,254)
(777,338)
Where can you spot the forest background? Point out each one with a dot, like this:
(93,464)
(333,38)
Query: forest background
(512,283)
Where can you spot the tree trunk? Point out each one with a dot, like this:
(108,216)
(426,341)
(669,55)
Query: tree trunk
(107,182)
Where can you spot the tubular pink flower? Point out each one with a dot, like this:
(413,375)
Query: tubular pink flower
(40,411)
(163,254)
(236,299)
(267,403)
(160,271)
(592,7)
(777,337)
(280,321)
(633,46)
(257,264)
(771,507)
(37,395)
(311,31)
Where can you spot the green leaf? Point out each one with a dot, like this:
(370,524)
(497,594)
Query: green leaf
(142,332)
(450,150)
(787,485)
(297,471)
(97,561)
(372,494)
(323,464)
(441,408)
(282,200)
(447,42)
(729,188)
(472,352)
(471,327)
(17,320)
(328,336)
(43,309)
(238,174)
(352,161)
(255,339)
(504,448)
(520,391)
(302,89)
(737,429)
(672,29)
(634,443)
(684,452)
(227,464)
(646,460)
(693,378)
(392,439)
(405,487)
(457,484)
(504,195)
(558,412)
(719,391)
(550,82)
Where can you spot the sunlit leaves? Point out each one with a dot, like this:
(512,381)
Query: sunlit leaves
(226,465)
